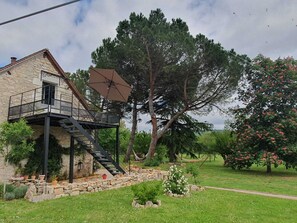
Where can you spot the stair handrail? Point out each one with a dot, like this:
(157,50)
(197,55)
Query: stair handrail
(98,147)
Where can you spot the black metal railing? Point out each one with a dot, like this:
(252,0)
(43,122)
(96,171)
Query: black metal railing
(41,100)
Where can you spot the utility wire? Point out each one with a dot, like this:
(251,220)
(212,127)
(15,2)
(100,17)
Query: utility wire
(38,12)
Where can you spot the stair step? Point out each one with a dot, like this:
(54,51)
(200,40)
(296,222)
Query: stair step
(81,138)
(88,140)
(99,154)
(74,131)
(106,163)
(103,160)
(78,133)
(68,126)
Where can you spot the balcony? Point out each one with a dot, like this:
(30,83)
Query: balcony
(57,101)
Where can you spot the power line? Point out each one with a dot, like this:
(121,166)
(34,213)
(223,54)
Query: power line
(38,12)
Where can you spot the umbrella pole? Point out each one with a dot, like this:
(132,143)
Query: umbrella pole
(102,105)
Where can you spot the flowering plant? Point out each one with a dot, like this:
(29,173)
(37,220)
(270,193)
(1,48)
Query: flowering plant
(239,159)
(267,124)
(176,182)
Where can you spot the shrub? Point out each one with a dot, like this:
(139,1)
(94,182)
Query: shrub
(9,196)
(9,188)
(146,192)
(176,182)
(161,151)
(239,160)
(151,162)
(193,170)
(20,192)
(1,191)
(142,142)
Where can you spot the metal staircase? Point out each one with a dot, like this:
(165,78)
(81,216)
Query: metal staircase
(82,136)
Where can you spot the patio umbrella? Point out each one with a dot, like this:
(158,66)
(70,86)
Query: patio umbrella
(109,84)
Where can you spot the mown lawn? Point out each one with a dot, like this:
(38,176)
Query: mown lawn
(207,206)
(115,206)
(280,181)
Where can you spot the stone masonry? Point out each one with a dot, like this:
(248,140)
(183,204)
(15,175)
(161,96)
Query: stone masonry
(26,76)
(40,190)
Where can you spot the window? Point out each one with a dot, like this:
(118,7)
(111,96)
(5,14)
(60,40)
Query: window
(48,93)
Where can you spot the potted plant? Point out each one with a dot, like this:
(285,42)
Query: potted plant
(104,176)
(24,173)
(41,177)
(33,176)
(54,180)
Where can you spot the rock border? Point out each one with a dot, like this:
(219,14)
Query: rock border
(135,204)
(178,195)
(192,188)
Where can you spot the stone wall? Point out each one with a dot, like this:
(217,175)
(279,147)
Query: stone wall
(40,190)
(64,140)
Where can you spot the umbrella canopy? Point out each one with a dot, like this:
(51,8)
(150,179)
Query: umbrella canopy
(109,84)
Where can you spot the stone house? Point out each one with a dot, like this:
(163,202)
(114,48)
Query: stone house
(36,88)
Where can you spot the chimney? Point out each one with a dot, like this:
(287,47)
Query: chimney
(13,60)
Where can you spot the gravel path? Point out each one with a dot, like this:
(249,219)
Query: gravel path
(255,193)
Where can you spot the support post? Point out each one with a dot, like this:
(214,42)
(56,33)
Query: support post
(117,146)
(8,116)
(34,103)
(21,105)
(71,160)
(46,144)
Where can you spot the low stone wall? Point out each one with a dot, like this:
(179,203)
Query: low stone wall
(40,190)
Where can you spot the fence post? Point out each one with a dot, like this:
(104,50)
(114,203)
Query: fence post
(117,146)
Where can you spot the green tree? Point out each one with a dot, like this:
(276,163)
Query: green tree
(142,142)
(107,139)
(81,78)
(207,142)
(182,136)
(183,72)
(124,58)
(224,142)
(266,127)
(14,145)
(173,70)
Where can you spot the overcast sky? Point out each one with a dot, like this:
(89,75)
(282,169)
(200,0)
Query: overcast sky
(72,32)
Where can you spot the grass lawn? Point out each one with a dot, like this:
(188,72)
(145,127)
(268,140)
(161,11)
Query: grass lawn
(207,206)
(280,181)
(115,206)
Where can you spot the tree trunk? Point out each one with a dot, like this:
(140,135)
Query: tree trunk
(172,157)
(154,138)
(152,78)
(268,170)
(133,133)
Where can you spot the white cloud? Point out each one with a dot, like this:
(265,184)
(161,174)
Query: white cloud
(72,32)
